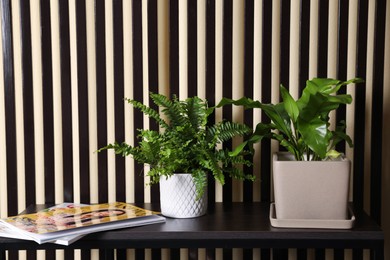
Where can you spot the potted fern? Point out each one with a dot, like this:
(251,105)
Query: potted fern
(307,180)
(184,152)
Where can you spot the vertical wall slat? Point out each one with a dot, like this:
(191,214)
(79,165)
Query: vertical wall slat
(285,16)
(120,183)
(174,47)
(210,75)
(266,61)
(66,102)
(323,13)
(82,89)
(304,43)
(28,103)
(248,84)
(153,72)
(227,50)
(192,62)
(342,64)
(360,112)
(101,91)
(47,93)
(9,93)
(138,92)
(266,74)
(377,111)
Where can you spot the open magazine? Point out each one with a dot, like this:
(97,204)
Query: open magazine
(57,223)
(67,240)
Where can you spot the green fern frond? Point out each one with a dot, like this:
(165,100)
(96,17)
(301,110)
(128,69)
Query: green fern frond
(148,111)
(226,130)
(196,110)
(200,180)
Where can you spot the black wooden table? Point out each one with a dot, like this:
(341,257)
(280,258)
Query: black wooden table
(235,225)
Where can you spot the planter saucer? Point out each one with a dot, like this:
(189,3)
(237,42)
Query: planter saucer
(311,223)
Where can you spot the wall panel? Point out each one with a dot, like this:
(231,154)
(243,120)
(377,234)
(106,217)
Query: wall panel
(66,65)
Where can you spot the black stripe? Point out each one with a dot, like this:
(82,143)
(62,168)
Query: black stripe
(101,82)
(192,60)
(285,43)
(360,111)
(66,101)
(377,111)
(342,51)
(304,43)
(338,254)
(139,184)
(9,95)
(119,94)
(210,75)
(174,46)
(320,254)
(266,98)
(82,101)
(248,84)
(323,13)
(153,73)
(28,103)
(47,94)
(301,253)
(227,80)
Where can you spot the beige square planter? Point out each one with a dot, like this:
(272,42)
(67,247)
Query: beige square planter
(310,189)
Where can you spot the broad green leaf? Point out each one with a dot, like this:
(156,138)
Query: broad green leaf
(289,104)
(238,149)
(316,135)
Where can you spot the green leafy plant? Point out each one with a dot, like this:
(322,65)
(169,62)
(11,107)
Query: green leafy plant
(187,142)
(302,126)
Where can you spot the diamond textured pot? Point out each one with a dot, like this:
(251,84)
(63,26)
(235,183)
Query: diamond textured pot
(178,197)
(310,189)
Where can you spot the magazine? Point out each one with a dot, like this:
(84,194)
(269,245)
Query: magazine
(7,232)
(50,225)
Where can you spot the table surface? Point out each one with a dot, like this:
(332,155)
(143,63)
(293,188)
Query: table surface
(233,225)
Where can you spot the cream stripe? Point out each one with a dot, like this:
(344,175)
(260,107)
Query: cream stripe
(332,49)
(257,67)
(3,146)
(92,102)
(201,33)
(332,38)
(238,77)
(18,105)
(75,106)
(145,63)
(57,107)
(163,46)
(313,46)
(38,100)
(218,74)
(128,92)
(110,99)
(369,89)
(351,73)
(183,52)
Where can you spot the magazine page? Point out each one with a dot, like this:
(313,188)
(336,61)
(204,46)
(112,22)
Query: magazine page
(46,226)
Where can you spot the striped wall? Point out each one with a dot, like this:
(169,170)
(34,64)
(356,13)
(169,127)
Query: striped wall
(66,65)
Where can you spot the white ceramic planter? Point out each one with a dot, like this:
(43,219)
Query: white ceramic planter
(310,189)
(178,197)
